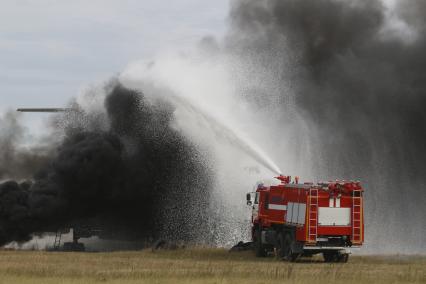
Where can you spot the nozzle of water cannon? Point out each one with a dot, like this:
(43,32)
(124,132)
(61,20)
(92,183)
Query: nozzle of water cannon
(284,179)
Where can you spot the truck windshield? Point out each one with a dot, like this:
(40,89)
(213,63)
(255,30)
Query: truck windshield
(256,198)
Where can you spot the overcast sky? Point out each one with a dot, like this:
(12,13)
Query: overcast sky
(51,49)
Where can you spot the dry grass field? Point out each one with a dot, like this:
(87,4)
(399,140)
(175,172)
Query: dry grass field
(200,266)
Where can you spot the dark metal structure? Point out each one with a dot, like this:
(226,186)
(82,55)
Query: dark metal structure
(44,109)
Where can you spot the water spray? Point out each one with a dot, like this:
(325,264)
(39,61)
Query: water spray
(231,136)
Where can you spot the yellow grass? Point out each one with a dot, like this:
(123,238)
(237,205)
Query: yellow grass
(200,266)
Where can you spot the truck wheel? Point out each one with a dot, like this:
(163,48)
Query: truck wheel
(289,243)
(343,257)
(334,256)
(285,243)
(330,256)
(258,247)
(281,249)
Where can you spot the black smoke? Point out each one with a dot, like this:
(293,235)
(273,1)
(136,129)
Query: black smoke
(137,178)
(360,85)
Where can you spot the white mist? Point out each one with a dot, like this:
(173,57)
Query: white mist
(243,144)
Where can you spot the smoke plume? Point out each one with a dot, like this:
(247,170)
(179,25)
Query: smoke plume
(353,73)
(126,168)
(18,162)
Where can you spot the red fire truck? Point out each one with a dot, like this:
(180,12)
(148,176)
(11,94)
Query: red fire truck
(294,219)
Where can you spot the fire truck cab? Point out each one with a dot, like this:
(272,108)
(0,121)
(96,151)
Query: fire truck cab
(293,219)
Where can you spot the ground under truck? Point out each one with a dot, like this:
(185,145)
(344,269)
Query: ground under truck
(294,219)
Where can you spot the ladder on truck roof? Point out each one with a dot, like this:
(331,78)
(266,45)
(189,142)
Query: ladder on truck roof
(356,217)
(313,215)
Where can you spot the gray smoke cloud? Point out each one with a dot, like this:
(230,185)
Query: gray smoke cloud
(361,90)
(17,161)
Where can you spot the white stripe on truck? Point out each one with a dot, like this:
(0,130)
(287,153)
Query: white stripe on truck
(277,207)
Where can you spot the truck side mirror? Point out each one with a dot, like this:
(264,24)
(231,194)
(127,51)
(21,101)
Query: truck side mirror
(248,197)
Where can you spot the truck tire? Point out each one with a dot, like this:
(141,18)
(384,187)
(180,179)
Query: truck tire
(343,258)
(335,256)
(259,249)
(289,242)
(330,256)
(284,249)
(281,252)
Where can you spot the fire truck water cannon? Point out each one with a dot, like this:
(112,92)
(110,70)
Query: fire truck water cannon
(294,219)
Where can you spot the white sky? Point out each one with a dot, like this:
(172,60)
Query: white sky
(51,49)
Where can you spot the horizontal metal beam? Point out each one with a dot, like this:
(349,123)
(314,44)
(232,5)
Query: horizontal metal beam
(44,109)
(321,248)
